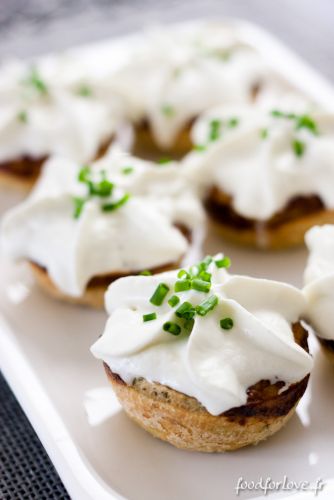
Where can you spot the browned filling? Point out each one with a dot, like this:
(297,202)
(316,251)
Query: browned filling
(28,168)
(219,207)
(264,398)
(145,147)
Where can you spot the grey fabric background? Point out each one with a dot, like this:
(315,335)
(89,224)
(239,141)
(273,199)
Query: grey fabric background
(29,27)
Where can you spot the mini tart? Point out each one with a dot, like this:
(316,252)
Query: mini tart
(95,290)
(183,422)
(284,230)
(23,172)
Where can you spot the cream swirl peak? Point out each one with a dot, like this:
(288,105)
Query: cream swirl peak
(176,74)
(278,153)
(80,222)
(204,332)
(319,279)
(41,116)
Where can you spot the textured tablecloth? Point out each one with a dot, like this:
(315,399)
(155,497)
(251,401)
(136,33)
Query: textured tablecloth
(30,27)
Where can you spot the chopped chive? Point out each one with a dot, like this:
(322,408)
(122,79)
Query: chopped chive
(174,300)
(298,147)
(103,188)
(146,272)
(22,117)
(305,121)
(168,110)
(172,328)
(277,114)
(78,206)
(149,317)
(127,170)
(84,173)
(264,133)
(207,305)
(226,323)
(188,325)
(164,160)
(200,285)
(185,310)
(183,274)
(214,133)
(205,276)
(233,122)
(224,262)
(193,271)
(199,147)
(110,207)
(85,91)
(34,80)
(182,285)
(159,294)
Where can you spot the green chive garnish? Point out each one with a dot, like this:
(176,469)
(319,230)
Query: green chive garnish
(159,294)
(207,305)
(182,274)
(34,80)
(146,272)
(85,91)
(298,147)
(226,323)
(174,300)
(84,173)
(224,262)
(22,117)
(182,285)
(110,207)
(305,121)
(127,170)
(149,317)
(205,276)
(200,285)
(264,133)
(188,325)
(199,147)
(103,188)
(185,310)
(168,110)
(233,122)
(172,328)
(214,133)
(164,160)
(78,206)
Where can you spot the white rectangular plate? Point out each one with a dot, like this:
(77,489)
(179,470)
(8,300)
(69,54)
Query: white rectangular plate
(98,452)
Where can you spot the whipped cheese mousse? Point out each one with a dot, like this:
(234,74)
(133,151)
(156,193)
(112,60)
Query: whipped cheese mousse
(43,114)
(83,227)
(265,175)
(204,359)
(319,284)
(177,73)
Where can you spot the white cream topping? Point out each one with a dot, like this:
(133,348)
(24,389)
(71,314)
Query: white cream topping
(41,115)
(319,280)
(264,161)
(214,365)
(176,74)
(140,234)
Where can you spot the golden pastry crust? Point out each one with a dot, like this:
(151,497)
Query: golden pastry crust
(284,230)
(94,293)
(185,423)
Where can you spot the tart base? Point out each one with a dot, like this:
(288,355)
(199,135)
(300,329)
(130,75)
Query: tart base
(284,230)
(183,422)
(94,293)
